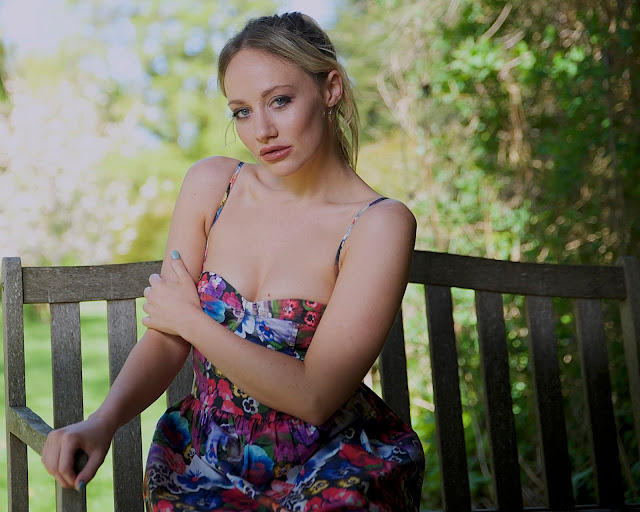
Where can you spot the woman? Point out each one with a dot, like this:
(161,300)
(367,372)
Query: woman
(261,259)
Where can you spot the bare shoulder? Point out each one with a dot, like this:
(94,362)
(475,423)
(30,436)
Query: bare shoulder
(388,220)
(383,238)
(211,172)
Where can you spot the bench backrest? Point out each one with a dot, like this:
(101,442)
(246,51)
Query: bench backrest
(63,288)
(539,284)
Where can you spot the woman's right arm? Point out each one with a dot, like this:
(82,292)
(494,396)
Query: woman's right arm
(150,367)
(157,357)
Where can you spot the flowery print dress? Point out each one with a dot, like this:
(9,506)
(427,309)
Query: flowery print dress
(220,449)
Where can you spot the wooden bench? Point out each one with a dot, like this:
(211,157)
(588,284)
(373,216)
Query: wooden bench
(63,288)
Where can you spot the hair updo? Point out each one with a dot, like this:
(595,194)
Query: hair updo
(297,38)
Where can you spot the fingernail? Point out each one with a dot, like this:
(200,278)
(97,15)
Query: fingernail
(81,486)
(175,255)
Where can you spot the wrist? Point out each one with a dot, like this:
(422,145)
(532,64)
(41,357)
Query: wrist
(105,420)
(189,322)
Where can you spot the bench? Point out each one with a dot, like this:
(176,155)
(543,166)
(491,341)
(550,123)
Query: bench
(63,288)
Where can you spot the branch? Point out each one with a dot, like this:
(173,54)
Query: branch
(496,24)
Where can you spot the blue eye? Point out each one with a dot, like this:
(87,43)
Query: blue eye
(281,101)
(241,113)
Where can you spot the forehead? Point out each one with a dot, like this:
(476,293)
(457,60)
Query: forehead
(252,71)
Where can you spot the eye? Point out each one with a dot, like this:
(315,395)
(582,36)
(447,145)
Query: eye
(240,113)
(281,101)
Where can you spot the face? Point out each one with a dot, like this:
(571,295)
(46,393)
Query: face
(278,109)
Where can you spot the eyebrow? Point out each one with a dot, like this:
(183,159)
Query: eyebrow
(264,93)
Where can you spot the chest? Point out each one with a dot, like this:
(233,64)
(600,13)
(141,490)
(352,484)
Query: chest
(271,251)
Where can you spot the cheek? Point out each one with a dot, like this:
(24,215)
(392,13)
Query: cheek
(310,125)
(243,132)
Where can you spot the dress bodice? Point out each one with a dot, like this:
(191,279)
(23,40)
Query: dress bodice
(283,325)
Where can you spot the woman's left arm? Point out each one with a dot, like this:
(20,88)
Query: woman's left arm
(375,267)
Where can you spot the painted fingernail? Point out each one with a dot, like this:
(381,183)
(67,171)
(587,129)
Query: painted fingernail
(175,255)
(81,486)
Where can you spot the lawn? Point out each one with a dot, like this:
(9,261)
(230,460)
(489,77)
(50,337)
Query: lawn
(39,396)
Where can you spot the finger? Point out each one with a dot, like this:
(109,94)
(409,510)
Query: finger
(147,291)
(66,463)
(51,457)
(154,278)
(89,471)
(177,264)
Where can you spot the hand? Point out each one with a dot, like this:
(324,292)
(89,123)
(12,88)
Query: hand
(90,436)
(169,303)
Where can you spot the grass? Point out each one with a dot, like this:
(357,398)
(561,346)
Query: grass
(39,398)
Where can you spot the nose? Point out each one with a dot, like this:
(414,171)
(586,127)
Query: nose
(265,127)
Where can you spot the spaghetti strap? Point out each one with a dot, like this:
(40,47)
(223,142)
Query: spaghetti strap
(344,238)
(223,201)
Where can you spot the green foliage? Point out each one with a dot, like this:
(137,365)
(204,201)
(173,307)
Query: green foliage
(517,135)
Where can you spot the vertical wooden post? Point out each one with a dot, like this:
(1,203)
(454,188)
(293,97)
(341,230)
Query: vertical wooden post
(127,443)
(597,383)
(14,380)
(454,476)
(630,317)
(393,371)
(66,368)
(550,413)
(497,387)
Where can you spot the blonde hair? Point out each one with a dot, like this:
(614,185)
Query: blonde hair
(297,38)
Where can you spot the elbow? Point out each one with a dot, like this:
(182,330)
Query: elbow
(316,411)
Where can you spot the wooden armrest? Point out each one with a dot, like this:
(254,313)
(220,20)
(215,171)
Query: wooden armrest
(27,426)
(32,430)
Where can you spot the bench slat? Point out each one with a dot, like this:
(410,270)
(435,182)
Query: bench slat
(14,380)
(630,319)
(553,280)
(77,284)
(497,387)
(127,442)
(393,371)
(66,368)
(446,394)
(551,423)
(595,372)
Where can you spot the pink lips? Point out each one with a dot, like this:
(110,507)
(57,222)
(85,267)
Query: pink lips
(273,153)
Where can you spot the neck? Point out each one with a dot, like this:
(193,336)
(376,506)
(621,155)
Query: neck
(320,178)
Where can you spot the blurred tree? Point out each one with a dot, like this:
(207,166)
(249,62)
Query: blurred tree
(173,49)
(511,130)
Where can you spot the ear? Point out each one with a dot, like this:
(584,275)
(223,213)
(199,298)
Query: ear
(333,89)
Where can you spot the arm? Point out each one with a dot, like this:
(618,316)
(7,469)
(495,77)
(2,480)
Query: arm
(350,336)
(157,357)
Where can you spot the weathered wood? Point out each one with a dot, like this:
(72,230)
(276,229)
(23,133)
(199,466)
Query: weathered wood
(588,281)
(27,426)
(14,379)
(439,271)
(66,369)
(182,383)
(393,371)
(78,284)
(630,319)
(497,394)
(551,423)
(595,373)
(452,453)
(127,442)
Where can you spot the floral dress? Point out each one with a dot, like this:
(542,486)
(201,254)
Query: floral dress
(220,449)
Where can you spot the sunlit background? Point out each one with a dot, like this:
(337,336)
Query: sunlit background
(510,129)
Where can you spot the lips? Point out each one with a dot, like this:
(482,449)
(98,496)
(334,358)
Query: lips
(273,153)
